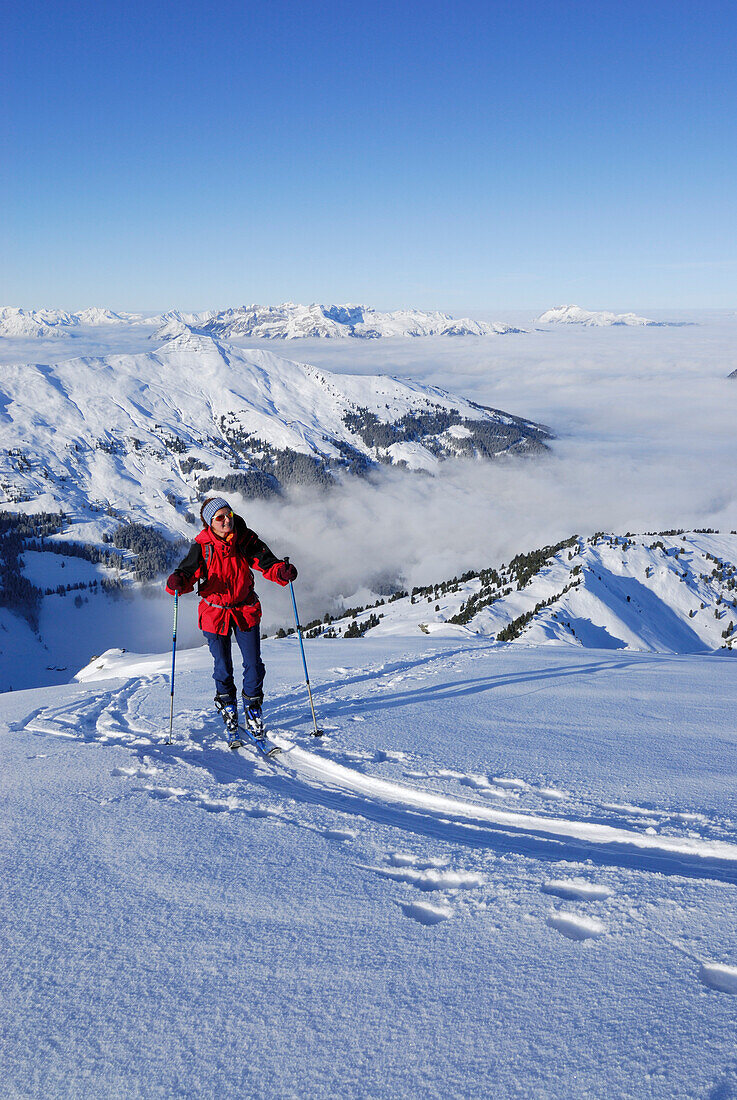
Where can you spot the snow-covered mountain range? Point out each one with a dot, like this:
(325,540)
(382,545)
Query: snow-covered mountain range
(148,433)
(45,323)
(673,592)
(288,321)
(574,315)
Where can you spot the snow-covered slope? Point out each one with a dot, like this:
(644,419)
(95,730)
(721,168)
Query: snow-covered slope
(291,321)
(574,315)
(504,872)
(669,593)
(151,431)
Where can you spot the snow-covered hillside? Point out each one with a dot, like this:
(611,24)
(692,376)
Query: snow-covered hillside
(504,872)
(667,593)
(147,434)
(574,315)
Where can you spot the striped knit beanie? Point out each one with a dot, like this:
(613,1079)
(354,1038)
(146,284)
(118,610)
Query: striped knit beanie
(212,507)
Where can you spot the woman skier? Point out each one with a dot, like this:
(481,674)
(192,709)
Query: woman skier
(220,560)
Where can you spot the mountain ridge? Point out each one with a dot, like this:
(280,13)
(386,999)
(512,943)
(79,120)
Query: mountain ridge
(287,321)
(673,592)
(199,414)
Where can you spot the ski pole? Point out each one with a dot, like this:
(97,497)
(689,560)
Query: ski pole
(173,659)
(315,732)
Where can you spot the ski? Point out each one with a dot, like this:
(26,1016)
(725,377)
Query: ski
(265,747)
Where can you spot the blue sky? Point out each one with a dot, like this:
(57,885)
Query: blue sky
(467,155)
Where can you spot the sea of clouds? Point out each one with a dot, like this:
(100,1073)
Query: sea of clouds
(646,439)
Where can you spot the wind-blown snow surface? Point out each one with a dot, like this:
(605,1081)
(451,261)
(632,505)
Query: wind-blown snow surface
(504,873)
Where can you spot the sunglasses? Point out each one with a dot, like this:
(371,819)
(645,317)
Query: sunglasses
(221,519)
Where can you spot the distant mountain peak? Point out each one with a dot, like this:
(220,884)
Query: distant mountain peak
(575,315)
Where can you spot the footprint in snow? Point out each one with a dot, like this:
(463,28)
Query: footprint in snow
(629,809)
(719,976)
(431,878)
(511,784)
(429,874)
(384,756)
(552,794)
(135,773)
(575,927)
(405,859)
(166,793)
(441,773)
(425,913)
(486,786)
(576,890)
(342,835)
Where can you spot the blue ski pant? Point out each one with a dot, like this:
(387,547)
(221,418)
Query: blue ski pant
(249,643)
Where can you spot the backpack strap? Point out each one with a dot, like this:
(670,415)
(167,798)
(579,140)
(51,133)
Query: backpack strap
(207,551)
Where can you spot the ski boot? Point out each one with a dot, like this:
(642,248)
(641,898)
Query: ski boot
(228,709)
(253,718)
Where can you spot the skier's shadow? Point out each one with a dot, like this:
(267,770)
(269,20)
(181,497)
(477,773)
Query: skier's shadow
(288,716)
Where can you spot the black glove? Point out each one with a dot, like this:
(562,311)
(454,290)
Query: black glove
(285,572)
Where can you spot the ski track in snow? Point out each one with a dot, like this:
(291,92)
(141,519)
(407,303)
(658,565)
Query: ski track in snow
(479,817)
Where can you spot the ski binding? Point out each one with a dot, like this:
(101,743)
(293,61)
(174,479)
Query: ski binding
(265,747)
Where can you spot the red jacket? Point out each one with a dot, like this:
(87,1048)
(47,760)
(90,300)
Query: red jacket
(222,570)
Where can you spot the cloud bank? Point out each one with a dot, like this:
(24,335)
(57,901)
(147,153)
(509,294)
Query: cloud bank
(646,440)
